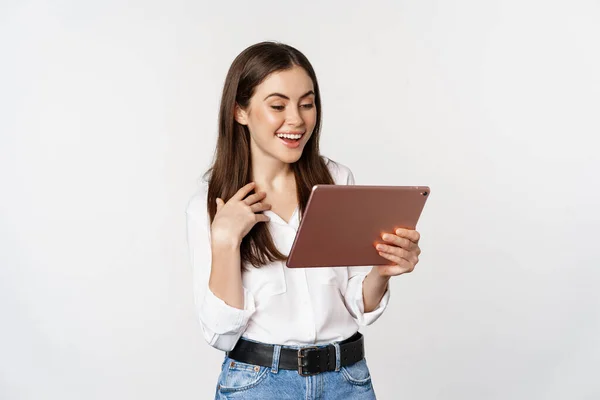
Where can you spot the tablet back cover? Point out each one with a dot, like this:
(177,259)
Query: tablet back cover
(342,223)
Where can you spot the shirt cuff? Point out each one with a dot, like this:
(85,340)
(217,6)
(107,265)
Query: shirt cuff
(356,305)
(223,319)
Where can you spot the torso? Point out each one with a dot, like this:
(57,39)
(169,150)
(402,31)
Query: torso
(281,294)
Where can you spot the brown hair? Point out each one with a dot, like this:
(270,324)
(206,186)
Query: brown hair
(231,168)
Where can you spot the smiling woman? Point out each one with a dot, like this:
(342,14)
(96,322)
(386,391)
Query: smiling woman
(287,333)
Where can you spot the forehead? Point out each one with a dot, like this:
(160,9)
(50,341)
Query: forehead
(293,82)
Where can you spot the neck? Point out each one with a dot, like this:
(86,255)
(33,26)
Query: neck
(270,173)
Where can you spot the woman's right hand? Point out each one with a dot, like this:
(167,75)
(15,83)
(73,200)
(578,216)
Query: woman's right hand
(234,219)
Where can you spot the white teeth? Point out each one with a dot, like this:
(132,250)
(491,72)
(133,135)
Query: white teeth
(289,136)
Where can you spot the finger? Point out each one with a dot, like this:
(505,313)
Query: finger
(404,266)
(398,241)
(243,192)
(409,234)
(259,207)
(253,198)
(261,218)
(396,251)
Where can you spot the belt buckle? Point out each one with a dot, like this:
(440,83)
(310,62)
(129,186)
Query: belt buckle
(300,357)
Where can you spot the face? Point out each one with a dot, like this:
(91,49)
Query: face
(281,116)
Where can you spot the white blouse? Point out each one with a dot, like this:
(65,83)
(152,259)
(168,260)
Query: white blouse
(286,306)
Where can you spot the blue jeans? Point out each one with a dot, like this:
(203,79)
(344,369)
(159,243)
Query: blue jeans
(245,381)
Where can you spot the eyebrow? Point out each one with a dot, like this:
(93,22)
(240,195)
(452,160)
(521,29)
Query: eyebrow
(287,98)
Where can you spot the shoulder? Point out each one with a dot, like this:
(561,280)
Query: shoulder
(341,174)
(196,206)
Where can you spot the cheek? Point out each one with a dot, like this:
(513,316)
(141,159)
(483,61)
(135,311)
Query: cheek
(274,120)
(268,120)
(311,119)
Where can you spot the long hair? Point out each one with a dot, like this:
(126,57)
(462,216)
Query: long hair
(231,168)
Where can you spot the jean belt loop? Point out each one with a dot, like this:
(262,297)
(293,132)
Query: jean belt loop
(338,357)
(276,353)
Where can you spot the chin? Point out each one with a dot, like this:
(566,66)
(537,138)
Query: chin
(290,157)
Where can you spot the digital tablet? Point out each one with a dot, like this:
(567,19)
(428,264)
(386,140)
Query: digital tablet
(342,223)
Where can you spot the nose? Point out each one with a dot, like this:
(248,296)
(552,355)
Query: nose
(293,117)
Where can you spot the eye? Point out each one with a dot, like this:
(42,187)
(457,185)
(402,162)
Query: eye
(278,108)
(307,106)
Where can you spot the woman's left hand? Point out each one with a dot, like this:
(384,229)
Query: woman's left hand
(402,249)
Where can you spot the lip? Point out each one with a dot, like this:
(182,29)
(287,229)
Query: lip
(291,145)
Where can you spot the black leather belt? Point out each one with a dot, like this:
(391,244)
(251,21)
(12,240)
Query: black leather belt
(307,360)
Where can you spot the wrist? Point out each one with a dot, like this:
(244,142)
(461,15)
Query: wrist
(377,276)
(225,245)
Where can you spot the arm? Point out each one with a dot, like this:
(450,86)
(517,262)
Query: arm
(226,275)
(373,288)
(402,249)
(367,294)
(224,305)
(223,310)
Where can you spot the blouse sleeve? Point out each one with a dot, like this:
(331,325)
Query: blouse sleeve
(222,324)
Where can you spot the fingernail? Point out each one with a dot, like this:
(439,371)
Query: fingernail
(380,247)
(386,237)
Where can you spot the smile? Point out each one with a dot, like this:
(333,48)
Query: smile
(290,140)
(293,136)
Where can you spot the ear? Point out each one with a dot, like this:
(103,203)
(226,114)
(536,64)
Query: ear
(240,115)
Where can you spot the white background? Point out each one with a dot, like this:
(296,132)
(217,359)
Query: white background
(108,116)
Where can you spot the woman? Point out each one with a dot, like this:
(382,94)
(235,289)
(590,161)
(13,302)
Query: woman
(287,333)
